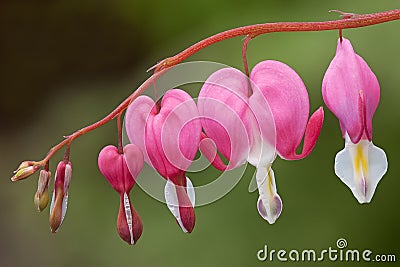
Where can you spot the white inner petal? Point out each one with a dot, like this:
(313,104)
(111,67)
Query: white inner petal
(171,199)
(361,166)
(269,203)
(190,192)
(52,201)
(64,208)
(128,216)
(67,177)
(53,196)
(262,153)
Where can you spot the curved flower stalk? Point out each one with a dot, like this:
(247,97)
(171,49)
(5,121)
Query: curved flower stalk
(351,91)
(168,134)
(121,169)
(247,124)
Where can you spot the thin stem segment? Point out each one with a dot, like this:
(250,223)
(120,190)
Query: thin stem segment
(119,126)
(110,116)
(244,54)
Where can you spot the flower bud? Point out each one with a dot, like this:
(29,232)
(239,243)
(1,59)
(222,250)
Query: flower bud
(351,91)
(58,206)
(168,134)
(25,169)
(129,224)
(41,198)
(121,170)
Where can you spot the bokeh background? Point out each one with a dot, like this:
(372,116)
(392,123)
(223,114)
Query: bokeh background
(64,64)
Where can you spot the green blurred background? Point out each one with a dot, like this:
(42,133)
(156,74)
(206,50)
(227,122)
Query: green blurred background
(64,64)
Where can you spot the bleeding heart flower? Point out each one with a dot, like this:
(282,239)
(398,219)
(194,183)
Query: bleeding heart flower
(121,169)
(247,124)
(168,134)
(351,91)
(288,100)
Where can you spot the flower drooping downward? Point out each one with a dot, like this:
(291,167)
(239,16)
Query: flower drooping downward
(351,91)
(121,169)
(247,124)
(168,134)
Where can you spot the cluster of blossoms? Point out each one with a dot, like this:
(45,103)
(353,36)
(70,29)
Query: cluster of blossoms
(246,119)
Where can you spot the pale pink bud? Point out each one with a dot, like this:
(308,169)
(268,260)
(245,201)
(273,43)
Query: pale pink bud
(59,202)
(41,198)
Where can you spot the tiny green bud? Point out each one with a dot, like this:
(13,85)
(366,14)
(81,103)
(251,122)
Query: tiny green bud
(26,169)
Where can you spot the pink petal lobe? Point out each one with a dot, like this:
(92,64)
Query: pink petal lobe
(113,166)
(136,118)
(180,131)
(313,130)
(167,135)
(209,150)
(287,97)
(346,76)
(224,110)
(371,95)
(133,157)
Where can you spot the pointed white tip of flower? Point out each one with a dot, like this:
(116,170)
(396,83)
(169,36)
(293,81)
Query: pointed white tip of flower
(171,199)
(271,210)
(128,217)
(361,166)
(269,203)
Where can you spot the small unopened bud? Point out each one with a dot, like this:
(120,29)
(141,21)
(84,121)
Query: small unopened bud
(41,198)
(59,202)
(26,169)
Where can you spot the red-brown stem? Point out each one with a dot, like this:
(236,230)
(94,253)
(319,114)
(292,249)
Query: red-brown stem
(67,152)
(252,30)
(341,35)
(119,126)
(107,118)
(46,166)
(257,29)
(245,63)
(244,54)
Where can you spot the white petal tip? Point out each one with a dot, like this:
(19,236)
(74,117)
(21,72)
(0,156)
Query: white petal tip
(171,200)
(361,166)
(271,210)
